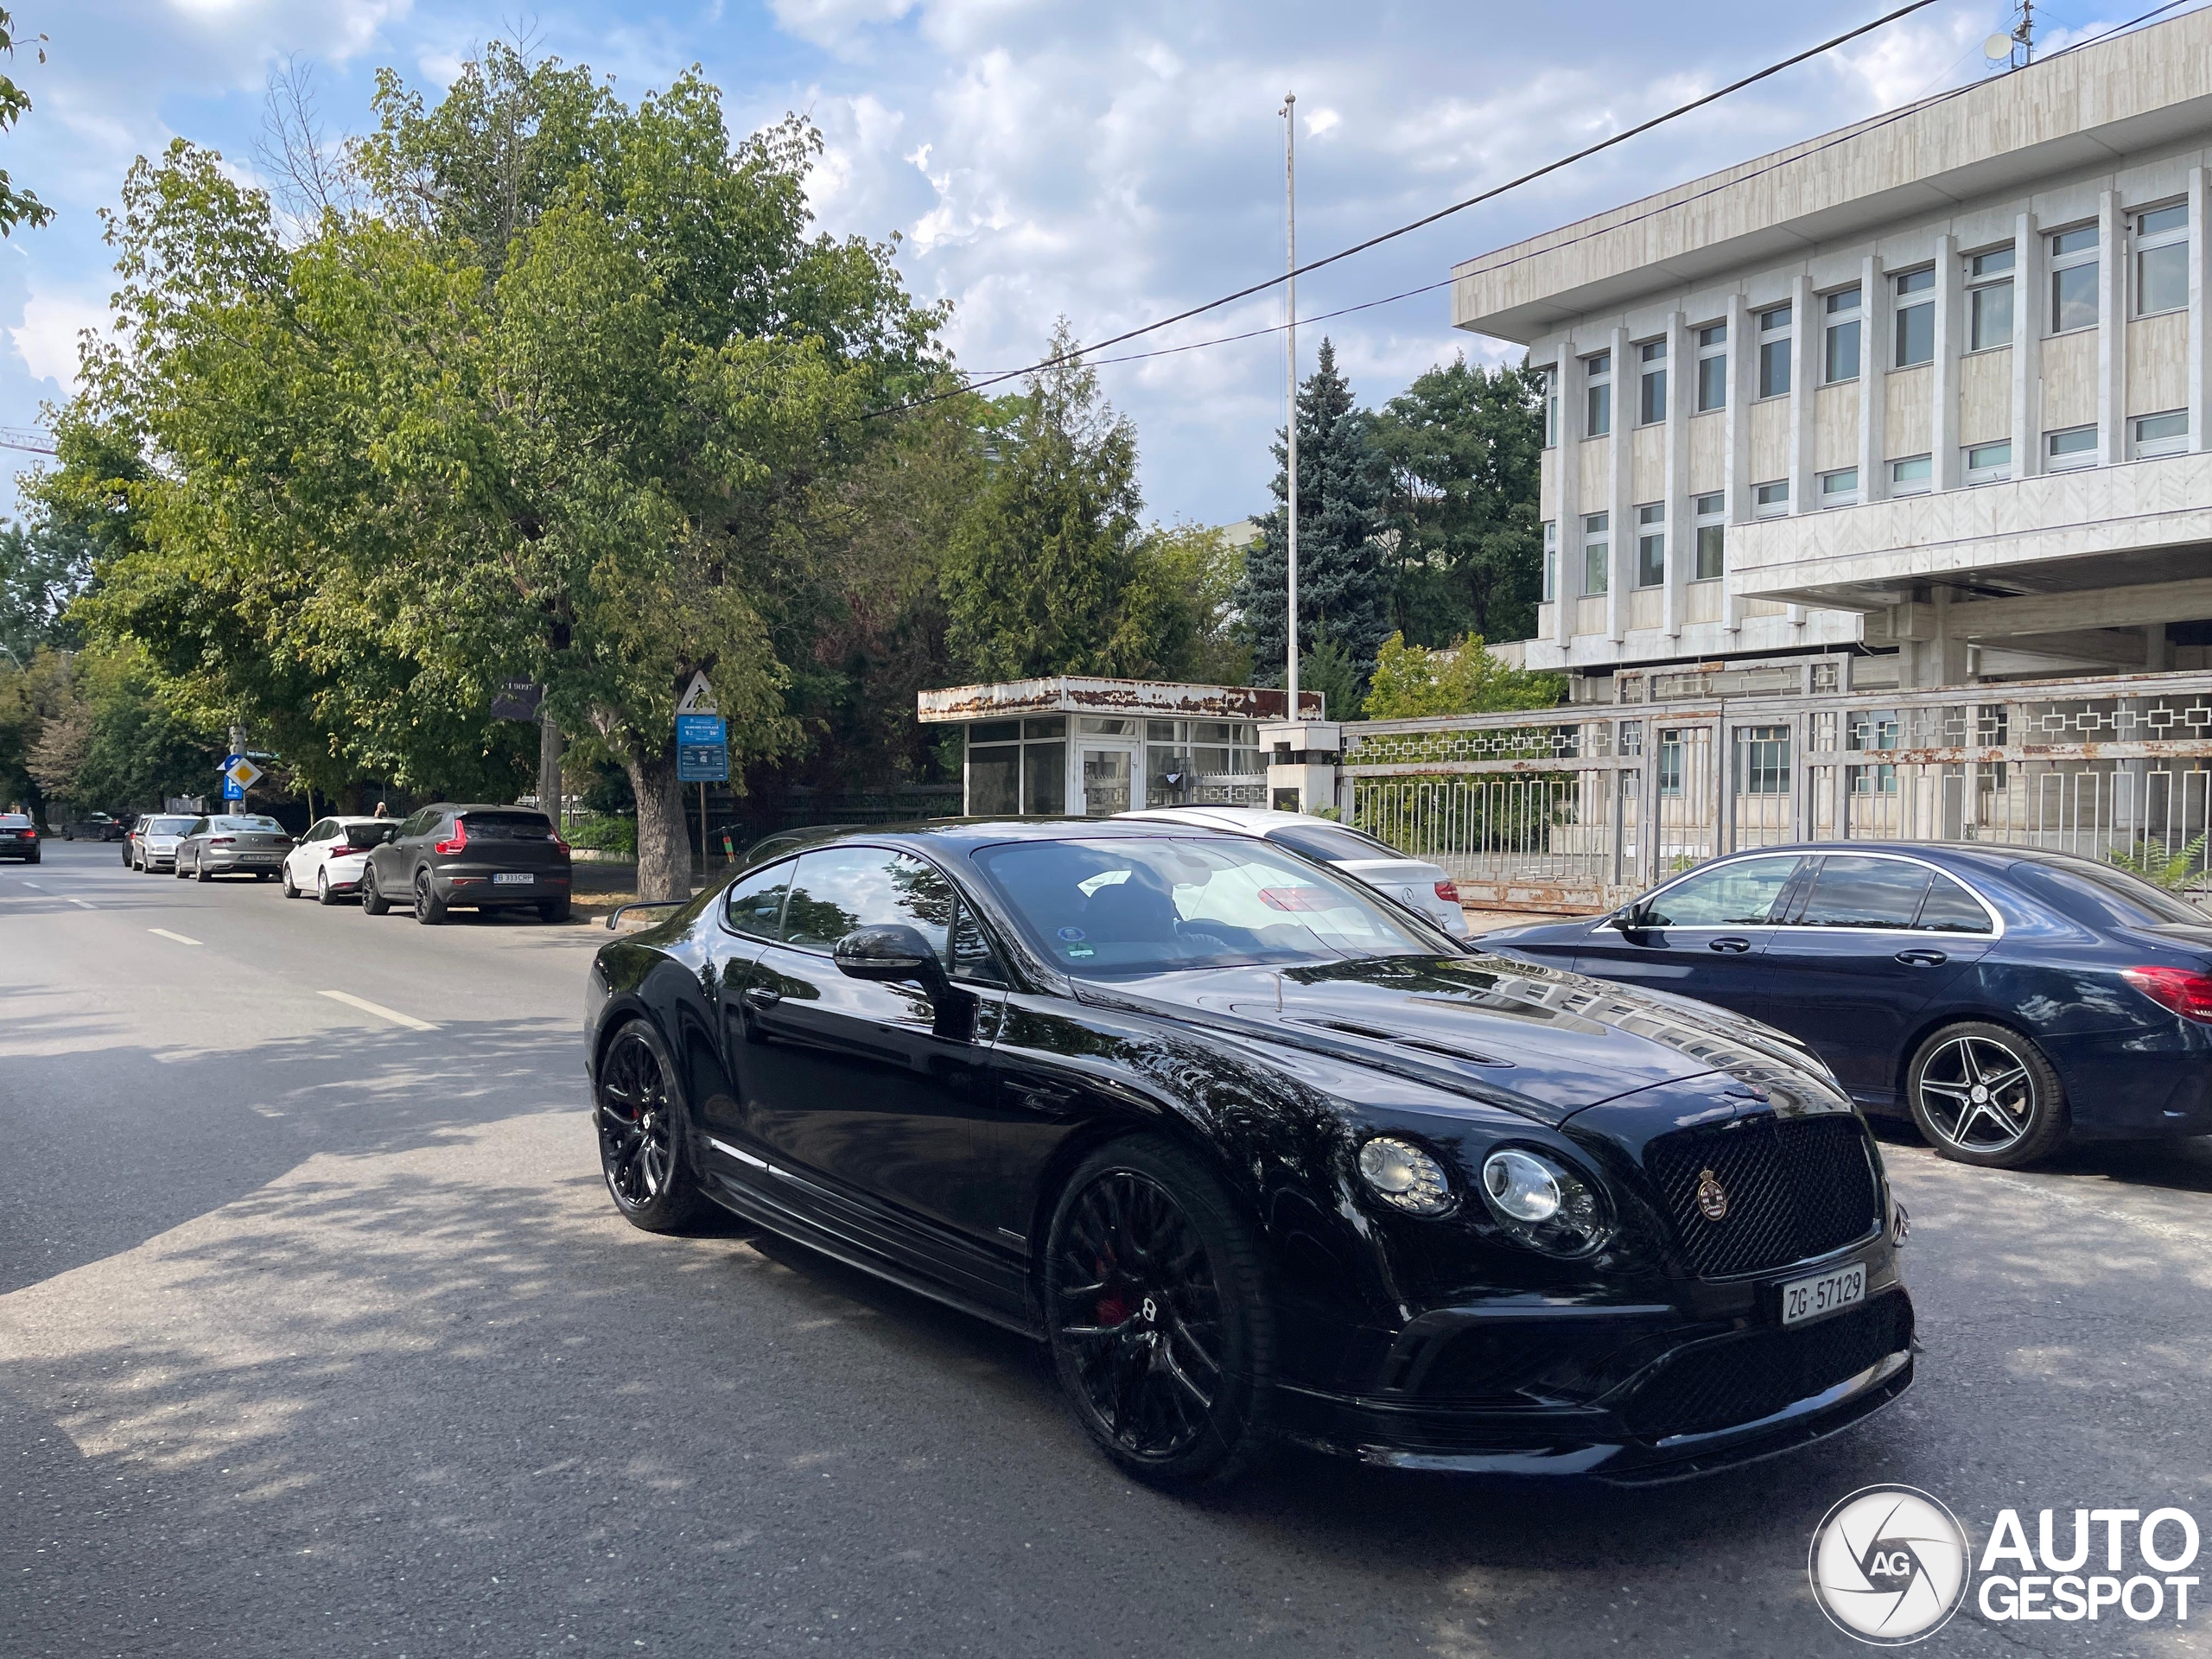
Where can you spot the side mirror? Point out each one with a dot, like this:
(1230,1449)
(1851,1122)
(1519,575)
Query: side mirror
(890,954)
(1636,917)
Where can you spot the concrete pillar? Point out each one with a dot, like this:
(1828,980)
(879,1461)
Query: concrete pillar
(1943,377)
(2197,410)
(1743,383)
(2112,335)
(1621,475)
(1572,403)
(2027,347)
(1873,400)
(1682,519)
(1806,320)
(2157,653)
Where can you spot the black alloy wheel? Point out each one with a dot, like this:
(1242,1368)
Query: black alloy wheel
(1982,1094)
(1158,1317)
(641,1141)
(428,910)
(373,903)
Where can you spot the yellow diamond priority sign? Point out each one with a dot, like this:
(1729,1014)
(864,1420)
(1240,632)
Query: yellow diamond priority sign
(243,773)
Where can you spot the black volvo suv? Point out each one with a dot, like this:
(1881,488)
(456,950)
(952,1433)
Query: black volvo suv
(471,857)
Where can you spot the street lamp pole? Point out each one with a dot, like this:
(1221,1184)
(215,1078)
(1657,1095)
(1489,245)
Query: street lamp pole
(1290,363)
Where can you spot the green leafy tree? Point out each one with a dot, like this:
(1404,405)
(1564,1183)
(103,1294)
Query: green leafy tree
(43,567)
(1343,592)
(16,206)
(1411,682)
(1179,615)
(1039,571)
(1464,447)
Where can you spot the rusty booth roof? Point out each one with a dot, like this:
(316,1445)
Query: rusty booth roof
(1067,694)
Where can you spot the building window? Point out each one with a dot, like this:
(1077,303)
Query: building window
(1597,553)
(1914,319)
(1840,489)
(1769,500)
(2162,260)
(1551,406)
(1713,367)
(1763,760)
(2073,280)
(1600,371)
(1989,300)
(1840,358)
(2161,434)
(1774,352)
(1651,390)
(1670,763)
(2075,447)
(1712,534)
(1989,463)
(1913,475)
(1652,545)
(1551,560)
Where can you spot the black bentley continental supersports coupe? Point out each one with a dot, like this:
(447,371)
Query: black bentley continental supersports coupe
(1260,1154)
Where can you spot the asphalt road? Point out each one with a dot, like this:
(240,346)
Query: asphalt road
(318,1336)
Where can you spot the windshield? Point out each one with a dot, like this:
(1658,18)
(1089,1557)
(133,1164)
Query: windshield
(1331,843)
(1118,909)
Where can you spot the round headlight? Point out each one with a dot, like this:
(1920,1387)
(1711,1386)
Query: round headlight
(1544,1204)
(1403,1175)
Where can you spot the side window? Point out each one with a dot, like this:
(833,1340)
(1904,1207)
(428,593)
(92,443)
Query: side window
(1734,895)
(1866,892)
(754,905)
(971,956)
(325,830)
(1949,908)
(840,888)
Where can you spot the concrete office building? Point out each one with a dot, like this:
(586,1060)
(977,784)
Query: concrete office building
(1918,403)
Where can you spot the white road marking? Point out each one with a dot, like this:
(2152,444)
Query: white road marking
(380,1010)
(166,934)
(82,904)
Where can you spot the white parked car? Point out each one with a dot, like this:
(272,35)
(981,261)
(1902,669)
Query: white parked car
(329,859)
(1411,881)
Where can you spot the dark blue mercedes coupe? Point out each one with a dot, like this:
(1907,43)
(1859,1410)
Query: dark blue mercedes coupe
(2006,998)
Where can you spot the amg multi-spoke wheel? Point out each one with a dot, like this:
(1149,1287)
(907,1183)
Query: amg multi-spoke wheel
(641,1147)
(1158,1315)
(1984,1095)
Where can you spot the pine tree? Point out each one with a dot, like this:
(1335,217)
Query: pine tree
(1344,593)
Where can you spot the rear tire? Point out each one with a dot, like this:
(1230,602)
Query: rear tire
(200,872)
(373,903)
(429,911)
(645,1150)
(2020,1115)
(1158,1315)
(555,909)
(323,895)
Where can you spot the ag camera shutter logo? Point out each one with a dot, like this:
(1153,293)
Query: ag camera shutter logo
(1890,1564)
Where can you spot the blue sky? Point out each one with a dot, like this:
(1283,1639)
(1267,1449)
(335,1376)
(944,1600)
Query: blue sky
(1112,163)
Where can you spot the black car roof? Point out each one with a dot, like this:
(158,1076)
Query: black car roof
(1982,856)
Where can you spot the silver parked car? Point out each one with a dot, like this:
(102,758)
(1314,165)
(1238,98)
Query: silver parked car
(1412,881)
(154,839)
(232,845)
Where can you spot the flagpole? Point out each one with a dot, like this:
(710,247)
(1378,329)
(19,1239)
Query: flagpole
(1290,363)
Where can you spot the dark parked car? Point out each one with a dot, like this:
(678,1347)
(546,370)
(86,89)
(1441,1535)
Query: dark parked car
(2006,998)
(236,843)
(1259,1153)
(95,826)
(450,856)
(18,837)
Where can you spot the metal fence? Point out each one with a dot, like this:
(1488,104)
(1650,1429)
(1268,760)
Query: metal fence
(1578,809)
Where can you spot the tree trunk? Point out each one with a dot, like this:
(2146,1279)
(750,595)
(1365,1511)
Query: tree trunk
(549,768)
(663,836)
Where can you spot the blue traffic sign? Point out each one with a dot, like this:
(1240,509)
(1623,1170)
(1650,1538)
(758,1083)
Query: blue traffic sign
(232,791)
(701,749)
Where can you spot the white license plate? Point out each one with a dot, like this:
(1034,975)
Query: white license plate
(1812,1298)
(512,880)
(260,858)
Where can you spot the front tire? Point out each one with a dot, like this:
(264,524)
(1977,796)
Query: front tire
(429,911)
(1158,1317)
(644,1152)
(1983,1094)
(291,887)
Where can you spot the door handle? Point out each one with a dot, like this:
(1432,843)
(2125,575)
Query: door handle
(762,996)
(1049,1098)
(1923,958)
(1733,947)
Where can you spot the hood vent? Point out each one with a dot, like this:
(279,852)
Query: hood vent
(1374,1035)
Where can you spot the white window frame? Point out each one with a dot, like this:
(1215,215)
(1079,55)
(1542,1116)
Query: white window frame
(1651,352)
(1840,317)
(1770,500)
(1903,285)
(2076,454)
(1712,346)
(2165,443)
(1836,492)
(1989,470)
(2170,235)
(1597,377)
(1985,272)
(1551,561)
(1918,483)
(2072,259)
(1651,526)
(1781,333)
(1597,538)
(1712,512)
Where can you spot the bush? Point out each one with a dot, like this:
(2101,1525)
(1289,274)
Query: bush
(606,835)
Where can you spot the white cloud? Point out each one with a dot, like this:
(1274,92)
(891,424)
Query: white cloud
(47,340)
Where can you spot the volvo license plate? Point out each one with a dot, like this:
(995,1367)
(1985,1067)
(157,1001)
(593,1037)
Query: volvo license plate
(512,880)
(1814,1298)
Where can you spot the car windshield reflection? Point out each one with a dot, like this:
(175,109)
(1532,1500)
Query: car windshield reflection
(1122,908)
